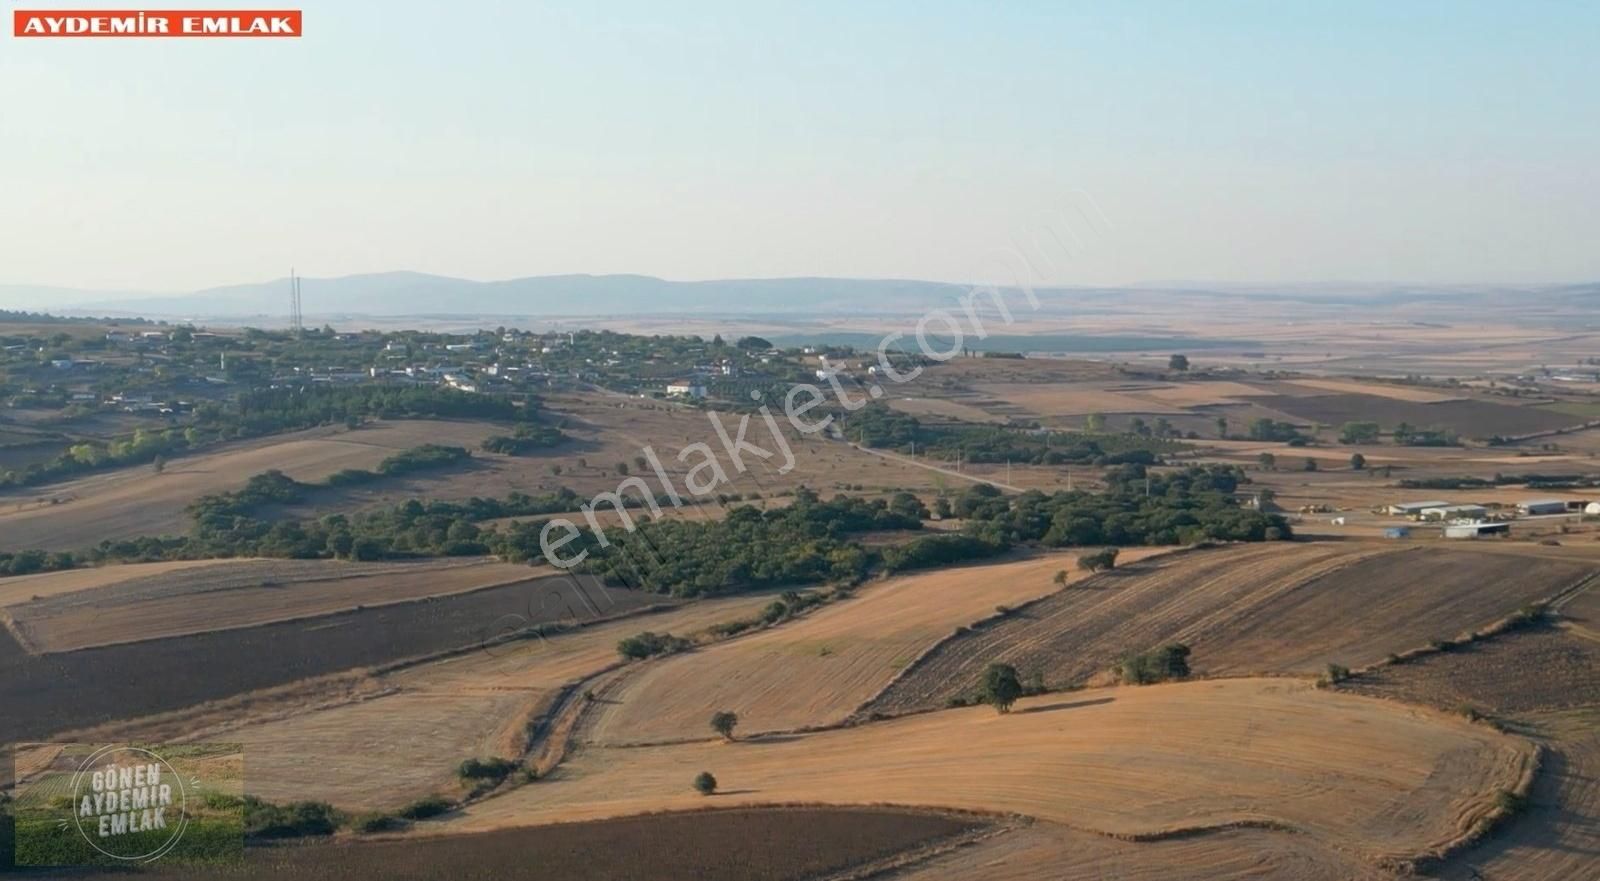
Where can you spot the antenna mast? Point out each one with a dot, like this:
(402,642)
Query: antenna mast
(296,318)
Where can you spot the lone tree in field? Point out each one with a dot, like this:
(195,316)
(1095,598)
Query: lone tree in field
(1358,462)
(705,783)
(724,722)
(1061,577)
(1178,362)
(1001,687)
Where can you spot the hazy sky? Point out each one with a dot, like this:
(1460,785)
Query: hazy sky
(1266,141)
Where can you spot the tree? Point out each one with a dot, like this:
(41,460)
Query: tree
(705,783)
(1222,427)
(1358,433)
(724,722)
(1099,561)
(753,343)
(640,462)
(1358,462)
(1001,687)
(1310,464)
(622,468)
(1268,461)
(1178,362)
(1061,577)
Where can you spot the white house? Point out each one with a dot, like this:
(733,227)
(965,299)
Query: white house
(686,388)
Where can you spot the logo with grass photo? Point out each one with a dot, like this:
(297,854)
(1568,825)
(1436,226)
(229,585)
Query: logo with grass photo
(125,798)
(110,805)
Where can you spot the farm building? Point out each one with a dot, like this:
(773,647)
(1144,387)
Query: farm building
(687,388)
(1476,530)
(1414,508)
(1535,507)
(1454,512)
(1397,532)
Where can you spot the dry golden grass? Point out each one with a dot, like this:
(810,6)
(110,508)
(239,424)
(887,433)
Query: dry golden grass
(129,502)
(1046,400)
(23,588)
(405,742)
(1558,838)
(944,408)
(820,669)
(219,595)
(1371,777)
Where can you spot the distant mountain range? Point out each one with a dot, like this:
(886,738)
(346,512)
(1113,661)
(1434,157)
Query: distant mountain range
(420,294)
(416,293)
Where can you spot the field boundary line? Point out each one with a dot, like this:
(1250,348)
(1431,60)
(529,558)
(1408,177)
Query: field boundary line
(14,627)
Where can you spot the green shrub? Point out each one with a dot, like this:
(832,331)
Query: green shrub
(423,808)
(493,769)
(1157,665)
(368,824)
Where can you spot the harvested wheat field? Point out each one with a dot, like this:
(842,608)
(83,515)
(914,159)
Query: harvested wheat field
(223,595)
(1532,670)
(1051,852)
(1371,777)
(135,501)
(1558,837)
(356,755)
(24,588)
(820,669)
(1268,608)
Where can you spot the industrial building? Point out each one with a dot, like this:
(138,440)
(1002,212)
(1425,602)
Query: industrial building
(1536,507)
(1476,530)
(1455,512)
(1411,509)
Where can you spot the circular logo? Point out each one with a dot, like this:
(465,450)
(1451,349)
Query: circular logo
(125,797)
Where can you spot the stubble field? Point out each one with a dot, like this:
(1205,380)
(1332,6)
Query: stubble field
(1274,608)
(819,670)
(1371,777)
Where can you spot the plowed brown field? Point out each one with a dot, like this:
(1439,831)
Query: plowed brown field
(221,595)
(1049,852)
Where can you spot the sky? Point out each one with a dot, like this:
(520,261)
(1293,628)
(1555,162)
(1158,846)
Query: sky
(1258,142)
